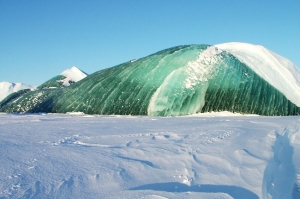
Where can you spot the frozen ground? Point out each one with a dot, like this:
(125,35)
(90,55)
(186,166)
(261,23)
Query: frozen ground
(82,156)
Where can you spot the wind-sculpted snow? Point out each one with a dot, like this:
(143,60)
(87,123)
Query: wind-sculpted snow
(92,156)
(181,80)
(282,174)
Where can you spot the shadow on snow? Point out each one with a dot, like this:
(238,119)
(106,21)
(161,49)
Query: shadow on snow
(233,191)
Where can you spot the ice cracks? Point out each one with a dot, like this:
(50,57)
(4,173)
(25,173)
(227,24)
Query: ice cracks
(282,174)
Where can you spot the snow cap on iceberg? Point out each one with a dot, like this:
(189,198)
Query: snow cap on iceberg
(275,69)
(72,74)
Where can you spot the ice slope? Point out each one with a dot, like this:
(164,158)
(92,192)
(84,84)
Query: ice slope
(84,156)
(7,88)
(277,70)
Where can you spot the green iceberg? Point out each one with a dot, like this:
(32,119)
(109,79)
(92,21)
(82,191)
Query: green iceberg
(178,81)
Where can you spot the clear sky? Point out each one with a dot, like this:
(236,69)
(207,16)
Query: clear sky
(41,38)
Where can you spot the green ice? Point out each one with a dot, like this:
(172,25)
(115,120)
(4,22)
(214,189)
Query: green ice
(177,81)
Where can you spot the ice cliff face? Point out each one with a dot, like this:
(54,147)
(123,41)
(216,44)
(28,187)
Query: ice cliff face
(178,81)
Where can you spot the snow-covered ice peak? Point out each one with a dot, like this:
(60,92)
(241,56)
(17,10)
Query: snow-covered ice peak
(6,88)
(73,74)
(277,70)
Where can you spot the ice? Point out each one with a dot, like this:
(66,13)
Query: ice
(277,70)
(182,80)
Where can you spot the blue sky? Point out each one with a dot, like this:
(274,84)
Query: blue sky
(41,38)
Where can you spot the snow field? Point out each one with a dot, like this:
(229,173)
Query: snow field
(76,156)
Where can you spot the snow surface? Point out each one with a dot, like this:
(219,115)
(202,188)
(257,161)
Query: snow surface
(83,156)
(277,70)
(73,74)
(6,88)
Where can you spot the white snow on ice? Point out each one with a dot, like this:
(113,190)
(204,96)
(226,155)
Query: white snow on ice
(89,156)
(6,88)
(73,74)
(277,70)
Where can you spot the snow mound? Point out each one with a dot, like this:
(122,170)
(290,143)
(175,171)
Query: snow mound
(6,88)
(277,70)
(73,74)
(282,174)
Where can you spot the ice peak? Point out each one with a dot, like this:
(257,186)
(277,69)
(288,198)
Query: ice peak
(72,74)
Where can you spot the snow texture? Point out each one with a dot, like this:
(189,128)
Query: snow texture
(277,70)
(7,88)
(203,156)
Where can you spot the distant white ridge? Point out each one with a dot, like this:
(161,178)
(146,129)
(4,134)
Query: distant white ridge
(277,70)
(6,88)
(73,74)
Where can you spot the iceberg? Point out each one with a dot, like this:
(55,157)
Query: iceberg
(178,81)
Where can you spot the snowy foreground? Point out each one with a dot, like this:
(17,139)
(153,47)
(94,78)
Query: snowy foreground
(82,156)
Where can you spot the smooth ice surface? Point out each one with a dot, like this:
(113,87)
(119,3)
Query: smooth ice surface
(277,70)
(84,156)
(6,88)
